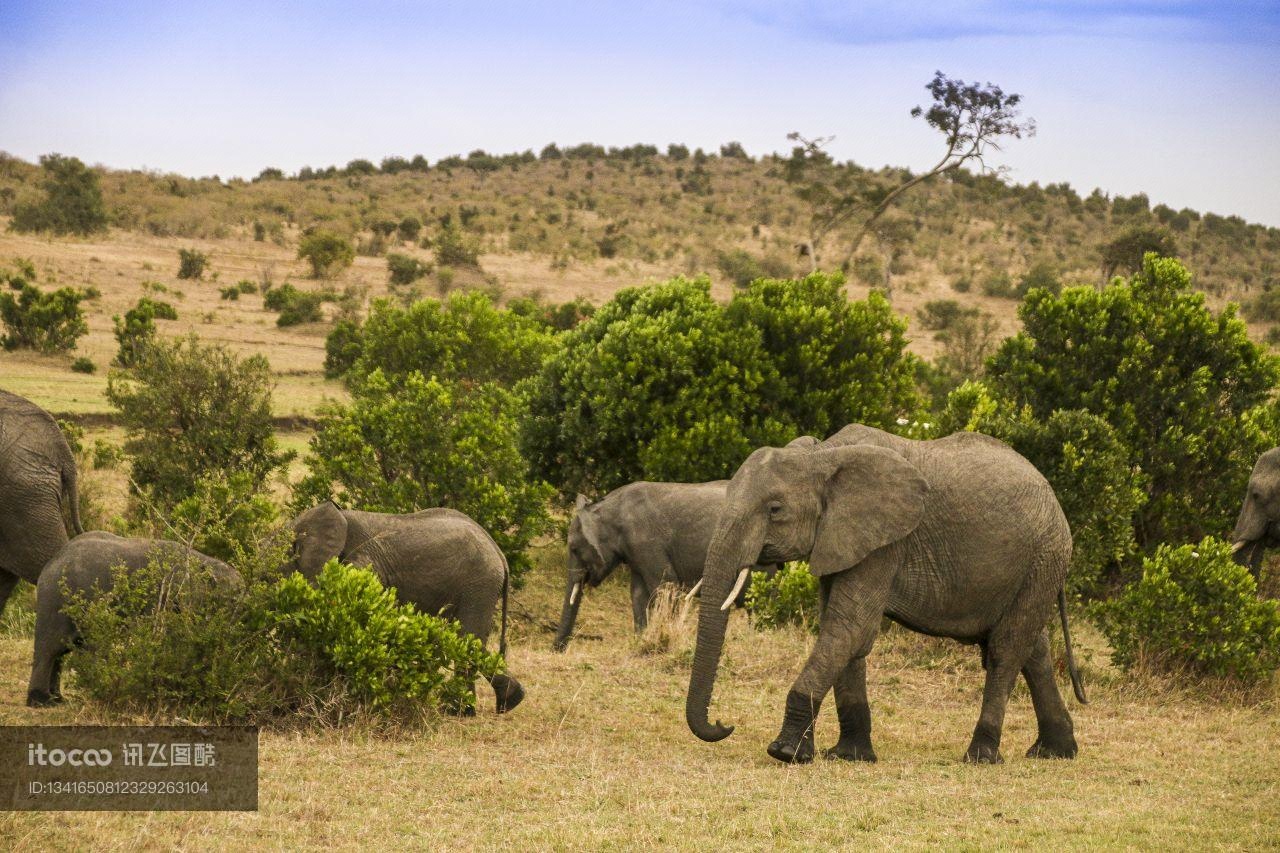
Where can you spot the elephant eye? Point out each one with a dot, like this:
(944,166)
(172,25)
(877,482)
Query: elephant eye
(775,508)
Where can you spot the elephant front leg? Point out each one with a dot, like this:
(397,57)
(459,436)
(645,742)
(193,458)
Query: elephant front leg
(854,713)
(854,602)
(640,595)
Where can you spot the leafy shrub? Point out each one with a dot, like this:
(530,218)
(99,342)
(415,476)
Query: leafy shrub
(742,268)
(295,306)
(386,654)
(72,202)
(405,269)
(999,283)
(1124,254)
(836,361)
(557,317)
(191,410)
(326,252)
(84,364)
(453,247)
(1043,275)
(1186,391)
(246,286)
(658,385)
(425,443)
(342,346)
(1264,307)
(191,263)
(106,454)
(45,321)
(790,597)
(137,329)
(224,516)
(410,227)
(1195,610)
(230,292)
(463,337)
(938,314)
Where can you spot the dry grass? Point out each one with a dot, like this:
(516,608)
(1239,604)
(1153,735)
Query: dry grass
(598,756)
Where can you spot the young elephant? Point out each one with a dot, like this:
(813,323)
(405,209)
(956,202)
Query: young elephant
(1258,527)
(659,530)
(84,565)
(959,537)
(438,560)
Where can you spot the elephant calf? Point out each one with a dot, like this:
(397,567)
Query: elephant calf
(1258,526)
(84,565)
(438,560)
(659,530)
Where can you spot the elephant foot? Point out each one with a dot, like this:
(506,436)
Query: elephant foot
(983,753)
(458,709)
(42,699)
(848,750)
(509,692)
(1053,746)
(794,744)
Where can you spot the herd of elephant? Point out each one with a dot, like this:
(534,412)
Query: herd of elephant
(957,537)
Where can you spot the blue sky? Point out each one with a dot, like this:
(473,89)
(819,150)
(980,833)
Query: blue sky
(1177,99)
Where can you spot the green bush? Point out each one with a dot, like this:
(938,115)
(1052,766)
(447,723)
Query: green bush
(462,337)
(1000,284)
(410,227)
(231,292)
(224,516)
(342,346)
(1264,307)
(137,329)
(1195,610)
(1186,391)
(326,252)
(84,364)
(405,269)
(45,321)
(453,247)
(423,443)
(1125,253)
(1043,275)
(386,654)
(295,306)
(72,202)
(742,268)
(191,263)
(556,317)
(790,597)
(657,385)
(191,410)
(938,314)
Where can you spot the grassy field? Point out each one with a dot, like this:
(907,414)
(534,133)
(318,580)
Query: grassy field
(598,757)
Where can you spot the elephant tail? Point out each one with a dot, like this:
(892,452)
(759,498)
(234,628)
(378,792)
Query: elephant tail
(71,495)
(1077,684)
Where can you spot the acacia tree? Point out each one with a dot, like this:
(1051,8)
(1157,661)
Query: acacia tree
(973,118)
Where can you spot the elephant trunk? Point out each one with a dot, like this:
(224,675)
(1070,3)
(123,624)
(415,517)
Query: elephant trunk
(735,545)
(574,586)
(1249,536)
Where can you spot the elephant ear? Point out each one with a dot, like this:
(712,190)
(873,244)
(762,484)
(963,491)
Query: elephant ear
(321,534)
(803,441)
(580,502)
(590,527)
(872,497)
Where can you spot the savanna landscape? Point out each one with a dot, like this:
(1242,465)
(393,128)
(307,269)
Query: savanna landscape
(516,336)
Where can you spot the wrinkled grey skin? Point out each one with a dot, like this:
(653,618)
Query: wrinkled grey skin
(84,565)
(37,478)
(1258,527)
(959,537)
(660,531)
(438,560)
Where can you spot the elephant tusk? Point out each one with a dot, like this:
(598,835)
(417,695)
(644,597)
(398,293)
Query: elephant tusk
(573,594)
(697,586)
(1235,549)
(737,588)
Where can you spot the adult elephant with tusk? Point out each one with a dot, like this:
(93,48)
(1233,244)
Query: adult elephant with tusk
(660,531)
(1258,526)
(957,537)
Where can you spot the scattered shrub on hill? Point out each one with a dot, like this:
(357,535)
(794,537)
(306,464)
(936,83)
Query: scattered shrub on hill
(1194,610)
(72,202)
(1042,274)
(294,305)
(48,321)
(192,410)
(137,329)
(938,314)
(1264,307)
(463,337)
(453,247)
(659,384)
(410,227)
(967,342)
(790,597)
(326,252)
(742,268)
(191,263)
(1124,254)
(405,269)
(424,443)
(1186,391)
(559,317)
(999,283)
(84,364)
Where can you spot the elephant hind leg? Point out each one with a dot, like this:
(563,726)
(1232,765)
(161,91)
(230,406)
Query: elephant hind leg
(508,691)
(54,635)
(8,580)
(854,713)
(1055,731)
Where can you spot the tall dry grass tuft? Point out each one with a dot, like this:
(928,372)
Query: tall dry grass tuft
(672,626)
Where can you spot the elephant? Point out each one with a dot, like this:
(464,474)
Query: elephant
(659,530)
(1258,526)
(37,479)
(84,565)
(956,537)
(439,560)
